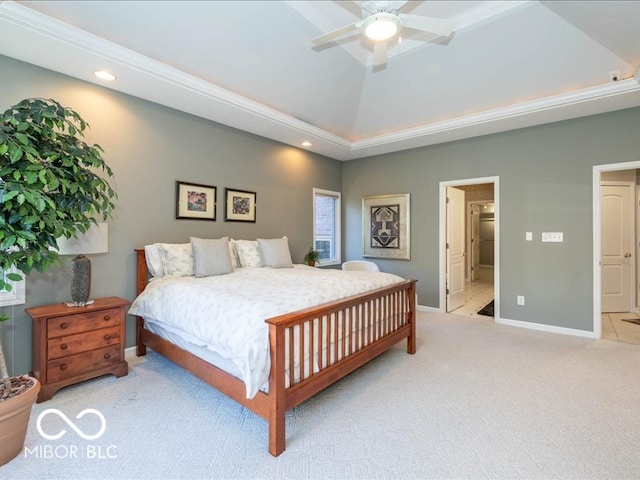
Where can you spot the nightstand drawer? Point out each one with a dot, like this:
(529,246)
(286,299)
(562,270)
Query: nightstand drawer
(82,342)
(77,364)
(83,322)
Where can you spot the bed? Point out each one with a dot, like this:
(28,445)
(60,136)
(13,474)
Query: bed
(305,349)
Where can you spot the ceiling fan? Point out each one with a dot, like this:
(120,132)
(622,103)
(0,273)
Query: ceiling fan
(381,22)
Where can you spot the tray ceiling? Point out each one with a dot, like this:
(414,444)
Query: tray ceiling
(251,65)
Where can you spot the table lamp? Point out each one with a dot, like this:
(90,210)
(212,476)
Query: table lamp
(95,240)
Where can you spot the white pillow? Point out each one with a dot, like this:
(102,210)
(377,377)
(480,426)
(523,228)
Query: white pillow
(234,256)
(211,257)
(153,256)
(177,259)
(248,253)
(275,252)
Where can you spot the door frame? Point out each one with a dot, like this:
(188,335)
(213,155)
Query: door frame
(443,238)
(597,247)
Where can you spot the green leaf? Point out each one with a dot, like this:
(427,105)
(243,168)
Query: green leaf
(22,138)
(15,155)
(14,277)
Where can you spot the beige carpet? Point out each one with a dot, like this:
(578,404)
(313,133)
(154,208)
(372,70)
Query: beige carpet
(477,401)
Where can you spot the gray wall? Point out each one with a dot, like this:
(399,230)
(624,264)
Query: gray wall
(149,147)
(545,177)
(545,185)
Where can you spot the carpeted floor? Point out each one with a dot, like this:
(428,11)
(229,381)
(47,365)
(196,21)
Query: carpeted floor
(477,401)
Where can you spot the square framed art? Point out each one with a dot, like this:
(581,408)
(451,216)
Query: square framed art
(386,226)
(240,206)
(195,201)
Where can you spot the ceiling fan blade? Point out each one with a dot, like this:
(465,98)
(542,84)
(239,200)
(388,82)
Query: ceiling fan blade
(379,54)
(438,26)
(335,34)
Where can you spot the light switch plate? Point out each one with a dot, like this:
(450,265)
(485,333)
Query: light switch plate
(528,236)
(552,237)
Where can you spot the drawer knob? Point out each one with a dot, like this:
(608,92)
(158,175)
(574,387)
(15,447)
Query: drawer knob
(64,325)
(107,356)
(107,337)
(63,367)
(64,346)
(107,318)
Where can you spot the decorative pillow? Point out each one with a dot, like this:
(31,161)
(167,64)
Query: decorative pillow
(177,259)
(275,252)
(232,251)
(211,256)
(248,253)
(153,255)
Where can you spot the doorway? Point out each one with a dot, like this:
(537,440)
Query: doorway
(616,190)
(480,280)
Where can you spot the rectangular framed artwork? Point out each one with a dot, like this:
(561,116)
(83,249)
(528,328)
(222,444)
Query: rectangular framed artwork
(240,206)
(195,201)
(386,226)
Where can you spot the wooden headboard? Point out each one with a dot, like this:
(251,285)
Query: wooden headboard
(142,274)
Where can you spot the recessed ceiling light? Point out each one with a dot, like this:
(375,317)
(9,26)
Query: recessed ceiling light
(306,143)
(105,75)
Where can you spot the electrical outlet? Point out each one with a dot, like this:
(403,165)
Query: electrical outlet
(614,75)
(520,300)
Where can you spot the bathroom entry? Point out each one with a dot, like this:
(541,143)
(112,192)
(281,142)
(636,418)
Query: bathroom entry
(479,244)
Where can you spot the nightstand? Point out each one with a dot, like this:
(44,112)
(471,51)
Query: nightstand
(72,344)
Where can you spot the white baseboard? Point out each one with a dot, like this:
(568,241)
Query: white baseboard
(547,328)
(422,308)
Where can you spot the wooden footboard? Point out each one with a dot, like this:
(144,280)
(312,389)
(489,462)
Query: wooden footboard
(310,348)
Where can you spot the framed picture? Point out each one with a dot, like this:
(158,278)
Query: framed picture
(195,201)
(240,206)
(386,226)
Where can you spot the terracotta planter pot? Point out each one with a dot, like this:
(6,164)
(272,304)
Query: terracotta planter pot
(14,419)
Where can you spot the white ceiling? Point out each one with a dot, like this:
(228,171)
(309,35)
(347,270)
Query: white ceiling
(251,65)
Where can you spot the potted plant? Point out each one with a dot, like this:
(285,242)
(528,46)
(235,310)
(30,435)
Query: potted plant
(17,395)
(311,257)
(49,188)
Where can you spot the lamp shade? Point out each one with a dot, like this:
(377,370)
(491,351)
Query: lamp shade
(95,240)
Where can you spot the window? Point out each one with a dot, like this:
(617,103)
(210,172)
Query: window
(326,226)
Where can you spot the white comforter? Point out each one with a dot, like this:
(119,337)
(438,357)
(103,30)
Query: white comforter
(227,313)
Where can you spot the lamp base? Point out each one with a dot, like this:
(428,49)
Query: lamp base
(79,304)
(80,280)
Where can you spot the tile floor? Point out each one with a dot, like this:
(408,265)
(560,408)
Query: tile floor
(477,294)
(614,328)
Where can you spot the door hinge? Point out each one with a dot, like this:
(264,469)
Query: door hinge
(447,200)
(447,291)
(447,245)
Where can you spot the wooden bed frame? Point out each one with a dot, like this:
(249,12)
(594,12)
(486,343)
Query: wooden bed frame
(380,319)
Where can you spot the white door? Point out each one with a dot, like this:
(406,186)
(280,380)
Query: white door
(616,205)
(455,248)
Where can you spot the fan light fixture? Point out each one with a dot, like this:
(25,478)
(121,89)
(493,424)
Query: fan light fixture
(381,26)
